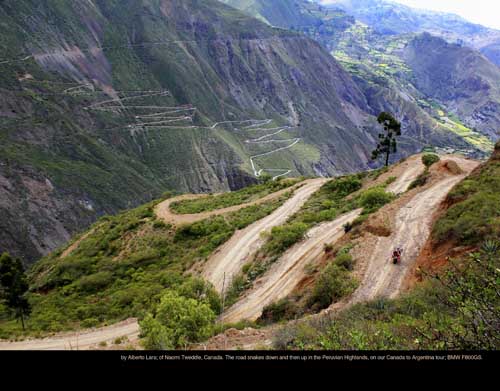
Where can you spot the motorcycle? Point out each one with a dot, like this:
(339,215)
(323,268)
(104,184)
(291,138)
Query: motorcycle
(396,256)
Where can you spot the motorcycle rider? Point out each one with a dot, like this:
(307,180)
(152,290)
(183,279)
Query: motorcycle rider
(396,255)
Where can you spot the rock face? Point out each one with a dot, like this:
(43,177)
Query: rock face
(386,83)
(115,102)
(459,77)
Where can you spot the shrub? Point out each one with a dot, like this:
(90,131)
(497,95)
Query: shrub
(348,227)
(238,285)
(95,282)
(390,180)
(284,309)
(373,199)
(421,180)
(429,159)
(90,322)
(178,322)
(119,340)
(345,260)
(283,237)
(333,283)
(160,224)
(201,228)
(156,336)
(342,187)
(202,291)
(265,178)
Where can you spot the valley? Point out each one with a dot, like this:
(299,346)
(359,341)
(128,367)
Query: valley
(247,175)
(412,213)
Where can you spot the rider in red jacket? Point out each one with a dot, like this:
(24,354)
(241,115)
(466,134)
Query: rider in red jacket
(396,255)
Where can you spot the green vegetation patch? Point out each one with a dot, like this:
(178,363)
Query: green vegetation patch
(459,309)
(333,283)
(429,159)
(474,214)
(245,195)
(178,321)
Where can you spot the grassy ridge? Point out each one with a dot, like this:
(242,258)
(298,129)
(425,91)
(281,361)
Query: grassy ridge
(247,194)
(474,212)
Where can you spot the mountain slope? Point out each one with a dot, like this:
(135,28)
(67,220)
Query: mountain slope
(388,17)
(459,77)
(279,13)
(121,267)
(107,104)
(373,59)
(433,314)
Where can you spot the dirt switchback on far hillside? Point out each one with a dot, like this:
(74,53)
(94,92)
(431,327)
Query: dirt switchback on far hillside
(164,212)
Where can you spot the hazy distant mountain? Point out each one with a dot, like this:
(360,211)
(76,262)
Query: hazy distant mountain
(376,62)
(388,17)
(459,77)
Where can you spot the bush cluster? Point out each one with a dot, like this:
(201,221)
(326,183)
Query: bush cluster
(429,159)
(373,199)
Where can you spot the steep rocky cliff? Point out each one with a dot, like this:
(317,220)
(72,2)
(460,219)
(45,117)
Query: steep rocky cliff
(106,104)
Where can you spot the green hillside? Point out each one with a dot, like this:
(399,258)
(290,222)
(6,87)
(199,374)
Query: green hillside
(106,105)
(125,263)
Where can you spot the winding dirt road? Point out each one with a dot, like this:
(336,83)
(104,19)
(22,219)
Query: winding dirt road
(84,340)
(287,272)
(411,169)
(164,212)
(223,265)
(412,229)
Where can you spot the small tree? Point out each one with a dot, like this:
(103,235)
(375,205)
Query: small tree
(13,286)
(387,143)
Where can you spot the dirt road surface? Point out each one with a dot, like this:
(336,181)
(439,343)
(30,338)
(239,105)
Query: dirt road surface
(75,245)
(223,265)
(287,272)
(84,340)
(412,229)
(410,170)
(164,212)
